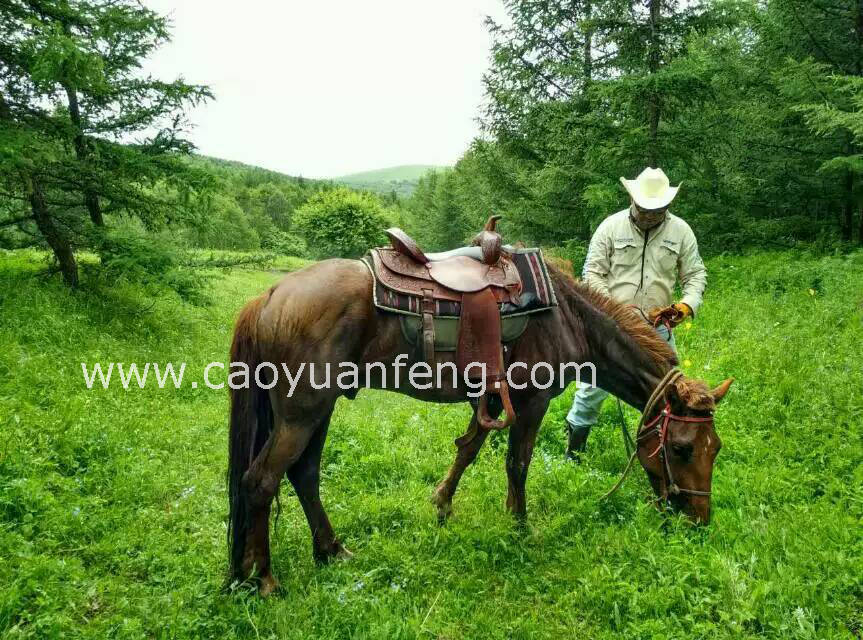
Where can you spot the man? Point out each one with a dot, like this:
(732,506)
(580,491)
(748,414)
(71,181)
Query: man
(636,256)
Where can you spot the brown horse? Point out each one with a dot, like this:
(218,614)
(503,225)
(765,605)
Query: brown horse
(324,314)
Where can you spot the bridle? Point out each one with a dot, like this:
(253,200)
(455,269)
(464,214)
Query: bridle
(659,426)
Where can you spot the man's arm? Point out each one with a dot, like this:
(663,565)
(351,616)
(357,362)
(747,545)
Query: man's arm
(692,274)
(598,262)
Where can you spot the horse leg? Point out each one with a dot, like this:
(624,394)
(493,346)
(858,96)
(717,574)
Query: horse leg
(305,476)
(468,447)
(261,483)
(522,436)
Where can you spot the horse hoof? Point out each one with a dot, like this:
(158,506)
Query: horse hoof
(336,552)
(269,585)
(343,554)
(444,511)
(444,506)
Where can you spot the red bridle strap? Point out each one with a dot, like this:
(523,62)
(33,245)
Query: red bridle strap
(660,424)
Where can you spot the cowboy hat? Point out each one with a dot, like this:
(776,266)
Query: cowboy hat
(651,189)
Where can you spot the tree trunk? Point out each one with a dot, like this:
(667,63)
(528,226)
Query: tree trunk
(91,198)
(654,105)
(51,232)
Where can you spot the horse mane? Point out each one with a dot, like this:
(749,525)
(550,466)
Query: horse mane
(695,394)
(579,294)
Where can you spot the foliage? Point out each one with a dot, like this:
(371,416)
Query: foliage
(289,244)
(226,227)
(154,261)
(71,95)
(341,223)
(395,182)
(89,142)
(753,106)
(112,502)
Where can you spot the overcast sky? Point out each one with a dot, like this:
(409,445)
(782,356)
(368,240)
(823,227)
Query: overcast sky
(322,88)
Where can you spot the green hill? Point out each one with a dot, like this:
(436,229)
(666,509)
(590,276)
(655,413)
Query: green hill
(402,179)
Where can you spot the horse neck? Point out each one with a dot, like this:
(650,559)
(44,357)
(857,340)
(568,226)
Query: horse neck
(624,367)
(628,372)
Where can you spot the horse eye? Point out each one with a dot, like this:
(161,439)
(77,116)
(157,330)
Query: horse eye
(682,451)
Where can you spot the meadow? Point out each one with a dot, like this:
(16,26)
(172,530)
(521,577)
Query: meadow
(113,501)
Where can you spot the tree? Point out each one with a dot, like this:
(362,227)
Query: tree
(341,223)
(86,134)
(581,92)
(822,71)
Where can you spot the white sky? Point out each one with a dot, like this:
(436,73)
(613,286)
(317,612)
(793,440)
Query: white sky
(322,88)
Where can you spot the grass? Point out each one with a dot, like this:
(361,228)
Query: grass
(112,502)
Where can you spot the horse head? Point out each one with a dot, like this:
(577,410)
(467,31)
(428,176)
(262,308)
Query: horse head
(678,445)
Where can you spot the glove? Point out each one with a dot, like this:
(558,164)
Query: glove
(670,316)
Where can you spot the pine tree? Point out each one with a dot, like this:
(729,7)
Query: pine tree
(72,97)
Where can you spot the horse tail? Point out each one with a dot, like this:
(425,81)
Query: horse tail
(251,423)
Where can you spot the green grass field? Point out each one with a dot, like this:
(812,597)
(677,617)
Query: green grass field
(113,504)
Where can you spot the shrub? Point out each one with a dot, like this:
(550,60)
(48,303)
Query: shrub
(340,222)
(129,254)
(288,244)
(225,227)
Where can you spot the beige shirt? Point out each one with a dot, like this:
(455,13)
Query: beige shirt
(641,268)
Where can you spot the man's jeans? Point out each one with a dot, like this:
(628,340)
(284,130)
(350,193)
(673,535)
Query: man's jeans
(588,400)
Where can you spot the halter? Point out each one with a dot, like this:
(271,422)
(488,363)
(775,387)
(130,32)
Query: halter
(659,426)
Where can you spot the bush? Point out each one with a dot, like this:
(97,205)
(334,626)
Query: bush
(225,227)
(288,244)
(129,254)
(342,223)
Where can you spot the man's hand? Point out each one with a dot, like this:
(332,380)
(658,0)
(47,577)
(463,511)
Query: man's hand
(672,316)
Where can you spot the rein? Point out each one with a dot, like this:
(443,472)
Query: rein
(659,426)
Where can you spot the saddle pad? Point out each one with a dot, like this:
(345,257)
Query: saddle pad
(446,330)
(537,292)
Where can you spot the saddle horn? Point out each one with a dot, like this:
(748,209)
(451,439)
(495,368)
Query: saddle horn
(489,241)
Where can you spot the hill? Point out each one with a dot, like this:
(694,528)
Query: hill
(402,179)
(247,172)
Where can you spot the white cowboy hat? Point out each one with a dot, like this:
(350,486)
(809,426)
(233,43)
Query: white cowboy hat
(651,190)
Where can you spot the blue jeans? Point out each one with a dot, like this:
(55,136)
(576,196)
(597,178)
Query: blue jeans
(588,400)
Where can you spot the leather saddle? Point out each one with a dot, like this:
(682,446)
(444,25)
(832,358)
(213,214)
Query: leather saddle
(480,277)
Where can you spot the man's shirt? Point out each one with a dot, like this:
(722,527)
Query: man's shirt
(641,268)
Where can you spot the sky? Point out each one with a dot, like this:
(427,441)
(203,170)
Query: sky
(322,88)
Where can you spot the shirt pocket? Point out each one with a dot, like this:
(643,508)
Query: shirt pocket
(667,257)
(626,253)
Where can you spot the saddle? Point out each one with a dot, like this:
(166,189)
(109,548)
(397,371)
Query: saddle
(481,278)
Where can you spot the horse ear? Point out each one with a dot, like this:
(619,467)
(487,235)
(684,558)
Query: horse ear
(719,392)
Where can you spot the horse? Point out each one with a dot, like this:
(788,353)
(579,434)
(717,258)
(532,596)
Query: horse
(325,315)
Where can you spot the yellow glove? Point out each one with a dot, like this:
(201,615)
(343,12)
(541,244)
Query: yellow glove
(672,316)
(683,308)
